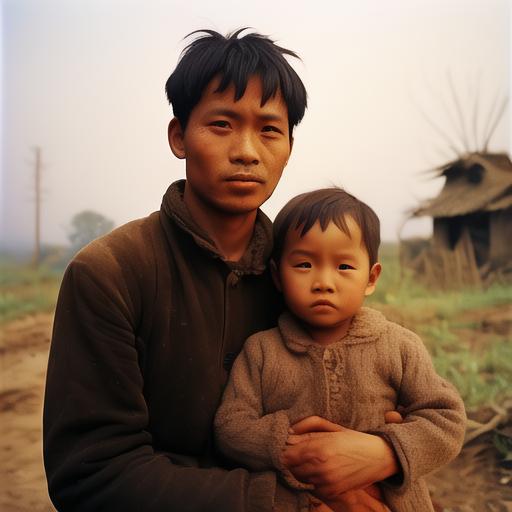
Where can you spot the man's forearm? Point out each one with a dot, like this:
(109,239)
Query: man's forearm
(154,484)
(387,463)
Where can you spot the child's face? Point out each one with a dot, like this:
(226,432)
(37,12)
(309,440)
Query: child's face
(324,277)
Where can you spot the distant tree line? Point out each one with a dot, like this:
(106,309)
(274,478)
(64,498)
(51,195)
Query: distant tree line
(87,225)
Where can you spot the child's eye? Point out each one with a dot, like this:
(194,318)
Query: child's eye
(303,264)
(345,266)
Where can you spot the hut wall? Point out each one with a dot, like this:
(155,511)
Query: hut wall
(441,233)
(478,224)
(441,266)
(501,238)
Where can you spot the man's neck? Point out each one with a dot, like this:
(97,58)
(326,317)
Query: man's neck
(231,233)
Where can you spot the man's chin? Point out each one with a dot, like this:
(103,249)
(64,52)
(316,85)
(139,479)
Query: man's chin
(234,209)
(241,204)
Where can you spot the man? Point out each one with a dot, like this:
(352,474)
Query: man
(151,316)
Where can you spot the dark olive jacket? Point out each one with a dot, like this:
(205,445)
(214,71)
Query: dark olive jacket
(148,322)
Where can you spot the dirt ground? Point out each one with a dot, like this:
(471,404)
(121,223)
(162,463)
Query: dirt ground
(24,348)
(474,482)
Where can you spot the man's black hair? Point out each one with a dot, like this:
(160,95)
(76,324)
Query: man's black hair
(234,60)
(327,205)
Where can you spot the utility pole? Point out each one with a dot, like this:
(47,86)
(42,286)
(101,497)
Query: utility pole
(37,175)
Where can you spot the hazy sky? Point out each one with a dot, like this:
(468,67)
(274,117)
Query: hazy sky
(84,80)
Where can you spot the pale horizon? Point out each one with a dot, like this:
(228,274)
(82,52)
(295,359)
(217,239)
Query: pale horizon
(84,80)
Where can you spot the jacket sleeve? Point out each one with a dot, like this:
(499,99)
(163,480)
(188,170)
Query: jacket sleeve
(434,417)
(98,452)
(243,431)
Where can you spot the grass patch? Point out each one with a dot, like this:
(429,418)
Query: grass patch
(477,361)
(25,290)
(482,376)
(480,365)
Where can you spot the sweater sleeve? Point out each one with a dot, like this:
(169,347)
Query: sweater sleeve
(98,450)
(434,417)
(243,431)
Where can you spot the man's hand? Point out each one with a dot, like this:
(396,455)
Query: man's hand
(336,459)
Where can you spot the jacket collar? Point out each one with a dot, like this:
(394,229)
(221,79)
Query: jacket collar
(255,259)
(367,326)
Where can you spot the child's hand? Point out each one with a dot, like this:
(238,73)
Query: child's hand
(360,500)
(314,424)
(315,505)
(393,417)
(363,500)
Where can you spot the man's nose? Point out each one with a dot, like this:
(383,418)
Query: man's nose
(244,150)
(323,282)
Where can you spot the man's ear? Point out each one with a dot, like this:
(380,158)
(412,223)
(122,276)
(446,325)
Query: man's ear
(275,275)
(291,147)
(372,280)
(175,136)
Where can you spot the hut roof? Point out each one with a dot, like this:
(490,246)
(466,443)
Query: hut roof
(476,182)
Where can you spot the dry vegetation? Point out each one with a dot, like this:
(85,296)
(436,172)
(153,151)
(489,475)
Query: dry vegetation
(468,334)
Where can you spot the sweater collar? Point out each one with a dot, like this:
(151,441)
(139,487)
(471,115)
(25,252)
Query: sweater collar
(367,326)
(255,258)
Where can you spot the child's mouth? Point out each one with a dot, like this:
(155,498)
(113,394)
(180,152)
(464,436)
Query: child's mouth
(323,303)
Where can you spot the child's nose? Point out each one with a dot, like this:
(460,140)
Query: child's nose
(323,283)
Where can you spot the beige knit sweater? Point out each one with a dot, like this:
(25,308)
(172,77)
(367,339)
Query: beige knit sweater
(282,376)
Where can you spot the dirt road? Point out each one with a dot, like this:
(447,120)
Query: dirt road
(23,356)
(472,483)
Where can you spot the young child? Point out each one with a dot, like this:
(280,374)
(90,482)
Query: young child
(333,358)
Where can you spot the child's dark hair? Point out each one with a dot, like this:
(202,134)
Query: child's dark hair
(327,205)
(234,60)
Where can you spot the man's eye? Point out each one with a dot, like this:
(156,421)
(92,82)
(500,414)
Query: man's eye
(220,124)
(270,128)
(303,264)
(345,266)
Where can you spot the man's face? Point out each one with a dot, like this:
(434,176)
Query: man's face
(235,151)
(324,277)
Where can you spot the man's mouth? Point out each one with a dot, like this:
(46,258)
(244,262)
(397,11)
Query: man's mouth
(245,177)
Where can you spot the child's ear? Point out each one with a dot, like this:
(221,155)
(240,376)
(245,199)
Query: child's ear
(275,275)
(372,280)
(175,136)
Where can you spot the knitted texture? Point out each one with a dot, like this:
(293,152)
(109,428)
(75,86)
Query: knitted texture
(282,376)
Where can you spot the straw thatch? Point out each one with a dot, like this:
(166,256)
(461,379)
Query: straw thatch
(472,237)
(478,182)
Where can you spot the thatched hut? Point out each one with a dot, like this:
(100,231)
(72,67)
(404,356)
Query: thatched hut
(472,236)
